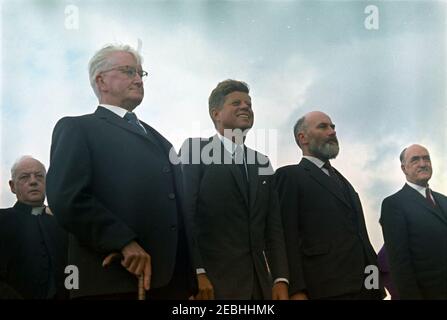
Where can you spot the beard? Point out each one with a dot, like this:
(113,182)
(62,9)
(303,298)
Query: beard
(325,150)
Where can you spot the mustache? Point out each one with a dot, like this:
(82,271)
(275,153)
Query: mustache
(331,139)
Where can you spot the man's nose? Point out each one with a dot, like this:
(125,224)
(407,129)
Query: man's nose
(33,180)
(138,79)
(332,132)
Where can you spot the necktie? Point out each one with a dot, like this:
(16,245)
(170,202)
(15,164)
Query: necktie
(333,174)
(429,198)
(132,119)
(240,161)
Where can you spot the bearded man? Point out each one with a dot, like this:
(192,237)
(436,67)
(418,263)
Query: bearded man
(326,238)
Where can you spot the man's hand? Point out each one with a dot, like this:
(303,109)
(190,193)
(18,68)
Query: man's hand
(280,291)
(206,290)
(299,296)
(135,260)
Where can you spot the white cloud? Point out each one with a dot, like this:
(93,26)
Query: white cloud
(383,90)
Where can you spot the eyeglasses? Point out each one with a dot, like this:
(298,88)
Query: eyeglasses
(131,72)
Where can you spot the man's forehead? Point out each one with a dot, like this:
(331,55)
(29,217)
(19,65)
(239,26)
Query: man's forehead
(417,152)
(235,95)
(30,166)
(316,119)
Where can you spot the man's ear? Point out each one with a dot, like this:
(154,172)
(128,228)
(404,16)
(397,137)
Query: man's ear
(214,114)
(403,169)
(11,185)
(100,82)
(302,138)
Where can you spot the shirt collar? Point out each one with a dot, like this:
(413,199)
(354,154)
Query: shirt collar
(318,162)
(121,112)
(229,145)
(418,188)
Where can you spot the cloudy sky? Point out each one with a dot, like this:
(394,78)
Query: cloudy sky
(383,88)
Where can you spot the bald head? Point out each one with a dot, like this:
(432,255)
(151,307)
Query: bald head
(416,164)
(315,135)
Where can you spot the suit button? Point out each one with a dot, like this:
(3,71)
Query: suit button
(171,196)
(166,169)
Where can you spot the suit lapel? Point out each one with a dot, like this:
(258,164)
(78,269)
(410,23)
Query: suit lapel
(115,120)
(324,180)
(421,200)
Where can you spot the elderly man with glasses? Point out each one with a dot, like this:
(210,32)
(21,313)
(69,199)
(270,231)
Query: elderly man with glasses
(112,186)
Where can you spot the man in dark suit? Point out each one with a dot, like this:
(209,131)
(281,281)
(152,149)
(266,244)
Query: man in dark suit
(233,206)
(414,225)
(112,185)
(32,245)
(326,238)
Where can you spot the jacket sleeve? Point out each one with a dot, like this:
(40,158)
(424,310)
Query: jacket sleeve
(395,234)
(192,175)
(289,207)
(275,243)
(69,191)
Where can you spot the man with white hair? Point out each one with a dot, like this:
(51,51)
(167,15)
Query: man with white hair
(111,184)
(33,247)
(414,225)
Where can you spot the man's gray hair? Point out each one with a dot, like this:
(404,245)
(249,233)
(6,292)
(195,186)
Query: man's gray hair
(300,126)
(101,62)
(19,161)
(402,156)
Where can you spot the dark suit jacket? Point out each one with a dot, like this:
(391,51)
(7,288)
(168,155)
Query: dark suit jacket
(236,230)
(415,236)
(326,237)
(109,184)
(33,253)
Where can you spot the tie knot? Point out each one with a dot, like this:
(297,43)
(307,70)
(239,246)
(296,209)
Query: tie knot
(130,116)
(327,165)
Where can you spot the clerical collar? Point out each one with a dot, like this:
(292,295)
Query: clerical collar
(35,211)
(29,209)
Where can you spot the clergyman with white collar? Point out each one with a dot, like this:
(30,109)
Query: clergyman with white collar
(33,246)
